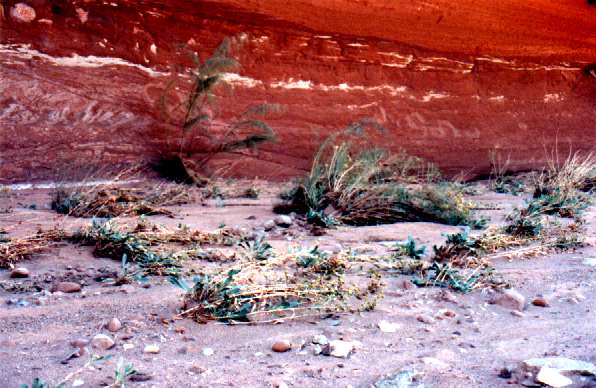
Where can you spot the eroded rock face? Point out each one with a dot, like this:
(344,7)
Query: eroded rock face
(80,80)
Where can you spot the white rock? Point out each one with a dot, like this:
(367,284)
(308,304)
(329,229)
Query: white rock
(562,364)
(388,327)
(102,342)
(151,349)
(283,220)
(320,339)
(510,299)
(128,346)
(552,378)
(590,261)
(338,348)
(208,352)
(268,225)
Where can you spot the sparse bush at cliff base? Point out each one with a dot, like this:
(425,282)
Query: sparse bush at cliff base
(362,189)
(193,116)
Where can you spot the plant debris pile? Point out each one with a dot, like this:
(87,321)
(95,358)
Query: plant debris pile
(108,202)
(13,250)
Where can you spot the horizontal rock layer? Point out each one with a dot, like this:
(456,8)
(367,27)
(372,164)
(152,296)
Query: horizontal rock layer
(449,81)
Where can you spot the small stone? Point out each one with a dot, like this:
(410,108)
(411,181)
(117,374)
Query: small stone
(540,302)
(388,327)
(67,287)
(128,347)
(281,346)
(518,313)
(20,272)
(269,225)
(208,352)
(406,285)
(338,348)
(505,373)
(23,13)
(151,349)
(114,325)
(320,339)
(403,379)
(196,368)
(317,349)
(552,378)
(102,342)
(425,319)
(510,299)
(127,289)
(560,363)
(283,221)
(79,343)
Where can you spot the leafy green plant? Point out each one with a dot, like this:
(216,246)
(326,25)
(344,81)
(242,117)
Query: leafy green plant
(122,373)
(39,383)
(321,262)
(111,242)
(444,275)
(227,298)
(410,249)
(258,249)
(193,116)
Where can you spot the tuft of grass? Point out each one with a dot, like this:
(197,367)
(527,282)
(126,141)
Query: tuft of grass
(360,189)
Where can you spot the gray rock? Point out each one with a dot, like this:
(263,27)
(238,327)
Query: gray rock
(562,364)
(283,221)
(403,379)
(320,339)
(510,299)
(269,225)
(102,342)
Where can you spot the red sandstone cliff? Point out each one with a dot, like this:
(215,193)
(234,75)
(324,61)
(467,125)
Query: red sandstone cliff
(449,80)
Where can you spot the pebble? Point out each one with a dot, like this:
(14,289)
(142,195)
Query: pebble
(269,225)
(102,342)
(151,349)
(19,273)
(67,287)
(320,339)
(388,327)
(425,318)
(338,348)
(510,299)
(281,346)
(79,343)
(114,325)
(208,352)
(283,221)
(540,302)
(23,13)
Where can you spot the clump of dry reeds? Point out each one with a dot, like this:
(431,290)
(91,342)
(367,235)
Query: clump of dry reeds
(106,202)
(13,250)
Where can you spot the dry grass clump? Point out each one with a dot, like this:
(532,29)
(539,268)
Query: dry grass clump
(564,189)
(13,250)
(107,202)
(363,189)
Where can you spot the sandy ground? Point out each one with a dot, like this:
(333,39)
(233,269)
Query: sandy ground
(466,350)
